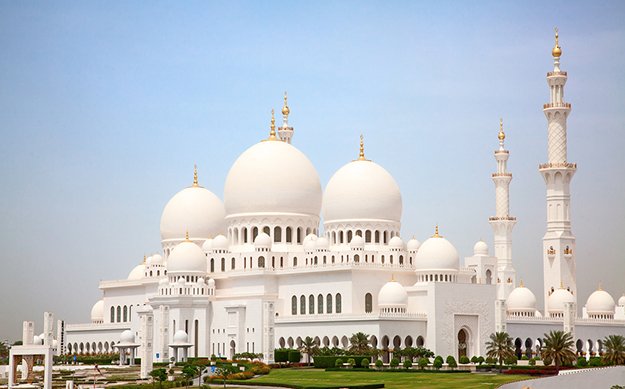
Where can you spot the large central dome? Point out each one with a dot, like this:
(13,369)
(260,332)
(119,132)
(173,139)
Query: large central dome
(272,177)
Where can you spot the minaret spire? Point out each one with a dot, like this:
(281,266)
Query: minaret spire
(285,132)
(559,241)
(361,155)
(272,128)
(195,181)
(502,223)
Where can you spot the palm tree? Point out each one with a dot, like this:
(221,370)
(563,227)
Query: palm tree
(558,346)
(499,347)
(359,344)
(614,349)
(309,347)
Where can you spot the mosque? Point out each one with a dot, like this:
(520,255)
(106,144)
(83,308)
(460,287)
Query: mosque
(255,272)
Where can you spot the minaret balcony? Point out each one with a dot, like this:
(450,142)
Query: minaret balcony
(551,74)
(497,218)
(557,165)
(501,175)
(557,105)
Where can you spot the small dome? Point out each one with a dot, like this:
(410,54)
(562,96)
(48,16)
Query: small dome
(137,273)
(413,245)
(186,257)
(200,281)
(437,253)
(97,312)
(37,340)
(195,210)
(181,281)
(127,337)
(392,295)
(310,242)
(211,283)
(558,298)
(322,243)
(148,261)
(220,242)
(362,190)
(207,246)
(272,177)
(357,242)
(521,299)
(262,240)
(163,281)
(621,301)
(600,303)
(157,259)
(181,337)
(396,243)
(480,248)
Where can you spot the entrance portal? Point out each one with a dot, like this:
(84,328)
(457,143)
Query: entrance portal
(462,343)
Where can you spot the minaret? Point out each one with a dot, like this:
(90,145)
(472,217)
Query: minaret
(502,222)
(285,132)
(558,242)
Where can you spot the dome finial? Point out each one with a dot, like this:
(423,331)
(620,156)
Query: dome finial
(195,182)
(502,135)
(561,285)
(600,287)
(521,284)
(186,235)
(144,258)
(436,235)
(392,277)
(361,156)
(557,51)
(272,132)
(285,109)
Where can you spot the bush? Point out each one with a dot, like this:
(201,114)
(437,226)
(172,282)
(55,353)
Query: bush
(338,362)
(326,361)
(438,358)
(407,364)
(510,360)
(294,356)
(547,361)
(490,361)
(438,363)
(480,359)
(281,355)
(595,362)
(464,360)
(379,364)
(394,362)
(351,362)
(364,363)
(582,362)
(532,362)
(473,359)
(451,362)
(259,368)
(423,362)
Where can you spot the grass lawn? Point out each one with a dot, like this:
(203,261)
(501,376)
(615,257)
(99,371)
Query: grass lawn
(319,377)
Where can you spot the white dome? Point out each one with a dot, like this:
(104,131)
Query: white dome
(310,242)
(200,281)
(148,261)
(180,337)
(322,243)
(207,245)
(163,281)
(127,337)
(396,243)
(157,259)
(211,283)
(413,245)
(262,240)
(392,295)
(137,273)
(37,340)
(437,253)
(220,242)
(558,298)
(181,281)
(521,299)
(480,248)
(357,242)
(621,300)
(272,177)
(362,190)
(196,210)
(97,312)
(186,257)
(600,303)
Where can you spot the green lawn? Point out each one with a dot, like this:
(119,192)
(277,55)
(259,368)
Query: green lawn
(319,377)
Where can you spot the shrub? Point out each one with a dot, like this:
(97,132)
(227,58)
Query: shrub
(473,359)
(510,360)
(595,362)
(351,362)
(582,362)
(464,360)
(451,362)
(480,359)
(547,361)
(281,355)
(394,362)
(407,364)
(294,356)
(439,358)
(490,361)
(438,363)
(423,362)
(327,361)
(379,364)
(532,362)
(338,362)
(364,363)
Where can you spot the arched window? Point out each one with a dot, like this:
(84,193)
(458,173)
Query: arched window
(119,314)
(368,236)
(401,259)
(294,261)
(377,237)
(320,304)
(349,236)
(254,233)
(289,234)
(223,264)
(489,277)
(277,234)
(233,263)
(212,265)
(338,303)
(261,262)
(368,303)
(299,235)
(329,303)
(311,304)
(267,230)
(341,237)
(112,314)
(244,233)
(302,305)
(293,305)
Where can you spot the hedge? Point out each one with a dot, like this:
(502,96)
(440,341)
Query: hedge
(312,386)
(325,361)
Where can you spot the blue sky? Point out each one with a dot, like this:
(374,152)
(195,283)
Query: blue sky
(106,106)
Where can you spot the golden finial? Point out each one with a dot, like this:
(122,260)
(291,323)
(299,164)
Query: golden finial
(186,236)
(392,277)
(502,135)
(600,287)
(521,284)
(436,235)
(145,258)
(361,156)
(557,51)
(272,133)
(285,108)
(561,285)
(195,183)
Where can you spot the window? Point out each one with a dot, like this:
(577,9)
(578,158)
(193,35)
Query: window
(277,234)
(293,305)
(223,264)
(261,262)
(232,264)
(368,303)
(338,303)
(112,314)
(302,305)
(489,277)
(125,313)
(329,303)
(311,304)
(320,304)
(294,261)
(119,314)
(289,234)
(212,265)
